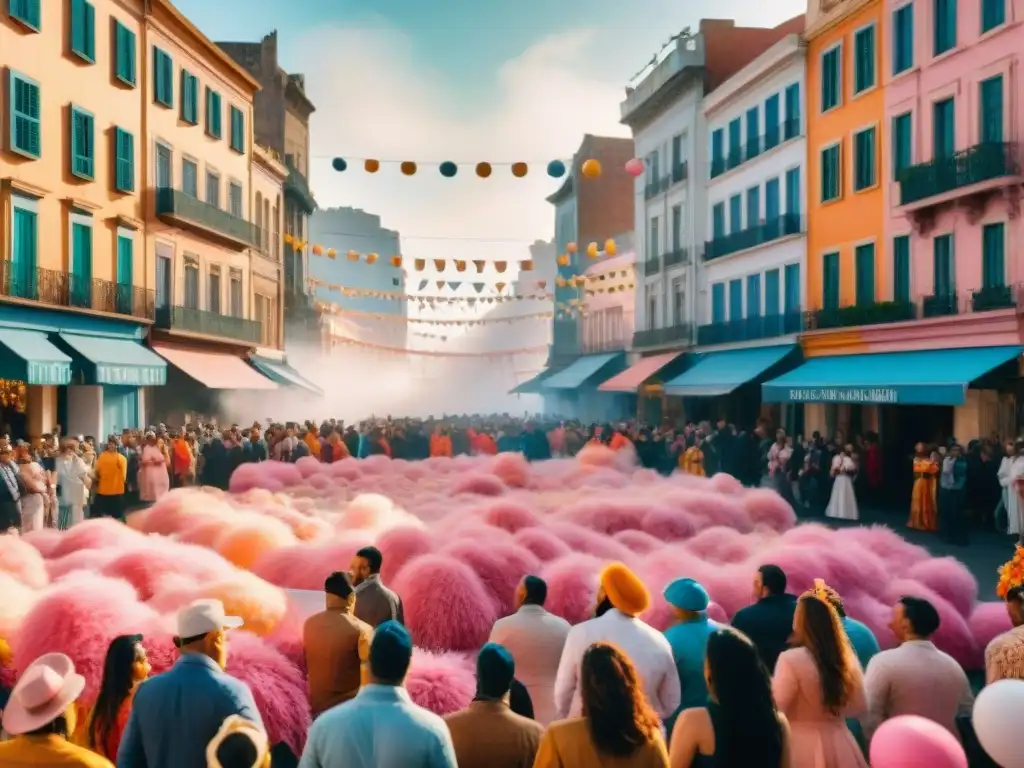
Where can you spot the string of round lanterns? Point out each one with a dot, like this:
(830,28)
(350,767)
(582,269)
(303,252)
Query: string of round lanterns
(556,169)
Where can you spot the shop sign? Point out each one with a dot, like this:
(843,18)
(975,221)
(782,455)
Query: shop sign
(870,395)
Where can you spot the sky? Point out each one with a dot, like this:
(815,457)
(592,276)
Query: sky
(467,81)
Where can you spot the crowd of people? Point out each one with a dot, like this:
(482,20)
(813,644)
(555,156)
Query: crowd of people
(793,683)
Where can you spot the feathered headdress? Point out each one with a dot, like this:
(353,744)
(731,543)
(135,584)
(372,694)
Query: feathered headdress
(1011,574)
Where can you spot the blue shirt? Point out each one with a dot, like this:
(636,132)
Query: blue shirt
(689,641)
(379,728)
(176,715)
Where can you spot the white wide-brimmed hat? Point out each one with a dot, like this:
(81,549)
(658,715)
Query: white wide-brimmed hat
(232,725)
(46,689)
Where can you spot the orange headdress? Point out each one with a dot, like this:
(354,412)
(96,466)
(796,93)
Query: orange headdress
(1011,574)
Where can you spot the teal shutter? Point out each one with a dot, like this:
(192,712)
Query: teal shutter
(237,130)
(864,151)
(24,242)
(993,250)
(189,98)
(902,144)
(717,152)
(213,114)
(753,296)
(830,174)
(163,78)
(991,103)
(831,83)
(830,282)
(771,200)
(993,14)
(735,300)
(793,288)
(82,144)
(771,121)
(864,59)
(124,51)
(718,221)
(792,129)
(81,265)
(793,192)
(943,266)
(735,214)
(718,303)
(771,293)
(943,128)
(901,269)
(83,30)
(903,39)
(864,263)
(945,23)
(25,116)
(124,160)
(753,132)
(28,12)
(753,207)
(735,143)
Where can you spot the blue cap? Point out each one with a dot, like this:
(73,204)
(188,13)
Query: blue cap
(687,595)
(495,670)
(390,650)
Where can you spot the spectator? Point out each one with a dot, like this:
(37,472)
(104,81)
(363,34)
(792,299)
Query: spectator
(619,726)
(337,647)
(177,714)
(769,621)
(111,470)
(37,717)
(519,700)
(536,639)
(916,678)
(381,727)
(238,744)
(1004,656)
(740,726)
(125,666)
(488,734)
(375,603)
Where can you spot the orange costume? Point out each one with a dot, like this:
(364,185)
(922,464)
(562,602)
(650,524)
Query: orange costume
(313,441)
(619,441)
(692,461)
(440,445)
(483,444)
(923,514)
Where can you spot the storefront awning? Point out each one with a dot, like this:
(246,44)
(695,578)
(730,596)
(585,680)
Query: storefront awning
(719,373)
(926,377)
(30,357)
(108,360)
(283,373)
(582,370)
(631,379)
(532,386)
(216,370)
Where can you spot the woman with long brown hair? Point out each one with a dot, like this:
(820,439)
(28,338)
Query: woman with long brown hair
(618,729)
(817,685)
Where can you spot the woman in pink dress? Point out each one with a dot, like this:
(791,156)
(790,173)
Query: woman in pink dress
(154,480)
(819,684)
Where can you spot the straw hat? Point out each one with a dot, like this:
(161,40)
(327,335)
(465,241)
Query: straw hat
(45,691)
(231,726)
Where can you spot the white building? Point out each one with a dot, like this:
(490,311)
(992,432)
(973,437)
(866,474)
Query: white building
(751,280)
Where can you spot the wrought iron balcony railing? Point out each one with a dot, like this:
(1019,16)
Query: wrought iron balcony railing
(652,265)
(750,329)
(940,305)
(878,313)
(755,146)
(752,237)
(677,256)
(942,175)
(63,289)
(656,187)
(680,171)
(993,297)
(296,185)
(681,334)
(177,318)
(186,211)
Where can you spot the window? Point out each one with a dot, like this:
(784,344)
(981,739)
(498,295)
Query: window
(943,128)
(82,144)
(24,116)
(771,201)
(718,303)
(124,161)
(903,38)
(793,288)
(718,221)
(237,130)
(864,264)
(944,283)
(164,156)
(124,54)
(235,199)
(213,189)
(901,269)
(991,117)
(236,293)
(793,206)
(753,206)
(26,12)
(864,59)
(771,122)
(677,227)
(735,143)
(865,171)
(753,296)
(735,300)
(830,282)
(213,300)
(944,15)
(189,177)
(189,98)
(902,144)
(993,258)
(831,174)
(125,272)
(771,293)
(717,152)
(163,78)
(792,127)
(993,14)
(831,78)
(24,247)
(80,279)
(735,214)
(652,309)
(677,150)
(83,30)
(753,132)
(678,301)
(213,114)
(191,284)
(654,247)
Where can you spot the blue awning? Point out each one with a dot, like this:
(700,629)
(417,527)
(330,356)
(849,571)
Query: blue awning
(928,377)
(532,386)
(111,360)
(31,357)
(583,369)
(719,373)
(283,373)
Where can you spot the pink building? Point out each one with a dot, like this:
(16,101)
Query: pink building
(610,297)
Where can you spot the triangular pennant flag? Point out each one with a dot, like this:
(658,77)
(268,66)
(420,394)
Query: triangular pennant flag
(423,284)
(500,286)
(479,286)
(526,266)
(420,264)
(454,284)
(439,265)
(479,265)
(542,284)
(439,284)
(500,265)
(460,266)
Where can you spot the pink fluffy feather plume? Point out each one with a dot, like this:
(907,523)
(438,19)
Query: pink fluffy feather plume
(441,682)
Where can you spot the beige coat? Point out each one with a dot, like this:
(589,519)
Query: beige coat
(376,604)
(488,734)
(535,638)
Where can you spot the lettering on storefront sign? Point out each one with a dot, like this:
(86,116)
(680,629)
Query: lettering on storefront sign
(845,395)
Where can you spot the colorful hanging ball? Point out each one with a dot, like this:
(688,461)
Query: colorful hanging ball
(372,166)
(519,170)
(571,248)
(408,168)
(353,255)
(449,169)
(592,250)
(591,168)
(339,164)
(318,250)
(635,167)
(563,260)
(483,170)
(556,169)
(396,261)
(371,258)
(610,248)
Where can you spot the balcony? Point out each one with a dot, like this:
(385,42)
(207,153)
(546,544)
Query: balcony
(878,313)
(676,257)
(61,289)
(993,297)
(182,210)
(750,329)
(753,237)
(656,187)
(652,265)
(594,347)
(183,319)
(678,335)
(680,171)
(942,179)
(940,305)
(755,147)
(654,87)
(296,186)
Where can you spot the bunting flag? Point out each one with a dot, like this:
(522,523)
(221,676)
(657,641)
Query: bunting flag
(367,293)
(493,355)
(338,311)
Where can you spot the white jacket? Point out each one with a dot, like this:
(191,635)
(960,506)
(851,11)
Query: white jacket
(73,479)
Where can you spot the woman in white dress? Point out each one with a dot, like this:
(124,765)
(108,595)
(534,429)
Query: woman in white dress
(34,490)
(843,503)
(73,480)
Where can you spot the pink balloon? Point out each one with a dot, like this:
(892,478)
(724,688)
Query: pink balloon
(635,167)
(914,742)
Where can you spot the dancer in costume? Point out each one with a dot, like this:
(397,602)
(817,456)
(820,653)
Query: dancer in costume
(842,505)
(692,459)
(923,516)
(1004,656)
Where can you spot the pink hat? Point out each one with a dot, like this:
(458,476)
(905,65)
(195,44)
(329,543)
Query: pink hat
(46,689)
